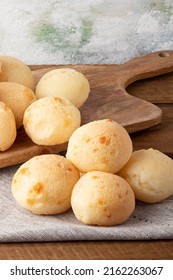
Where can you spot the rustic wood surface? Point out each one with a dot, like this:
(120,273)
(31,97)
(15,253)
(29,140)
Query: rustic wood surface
(160,91)
(108,99)
(89,250)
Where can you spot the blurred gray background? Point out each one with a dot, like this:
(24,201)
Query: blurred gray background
(75,31)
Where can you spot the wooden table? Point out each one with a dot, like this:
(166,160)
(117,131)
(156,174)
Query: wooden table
(159,91)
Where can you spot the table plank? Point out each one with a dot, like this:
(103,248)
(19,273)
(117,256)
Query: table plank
(156,90)
(159,137)
(98,250)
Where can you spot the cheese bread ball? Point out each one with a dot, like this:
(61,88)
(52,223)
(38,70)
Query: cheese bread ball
(44,184)
(102,145)
(51,120)
(7,127)
(14,70)
(101,198)
(18,98)
(64,83)
(150,174)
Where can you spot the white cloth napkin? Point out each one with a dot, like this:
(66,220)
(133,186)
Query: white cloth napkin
(149,221)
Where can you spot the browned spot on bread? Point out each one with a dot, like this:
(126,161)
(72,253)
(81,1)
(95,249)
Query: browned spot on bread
(104,160)
(38,188)
(30,201)
(67,122)
(27,93)
(95,150)
(94,177)
(57,99)
(102,139)
(87,140)
(119,196)
(69,169)
(100,202)
(23,170)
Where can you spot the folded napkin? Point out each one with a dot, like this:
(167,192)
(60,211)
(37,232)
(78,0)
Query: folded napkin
(149,221)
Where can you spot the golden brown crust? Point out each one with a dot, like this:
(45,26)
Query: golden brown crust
(100,145)
(150,174)
(103,199)
(64,83)
(51,121)
(18,98)
(14,70)
(44,184)
(7,127)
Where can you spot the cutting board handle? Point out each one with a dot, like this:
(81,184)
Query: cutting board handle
(145,66)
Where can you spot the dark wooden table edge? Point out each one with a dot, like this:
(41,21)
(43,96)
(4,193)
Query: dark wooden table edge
(89,250)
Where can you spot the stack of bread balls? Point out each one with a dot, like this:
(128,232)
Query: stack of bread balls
(53,118)
(16,94)
(51,115)
(99,149)
(101,176)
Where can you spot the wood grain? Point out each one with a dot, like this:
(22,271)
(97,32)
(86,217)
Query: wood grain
(108,99)
(159,137)
(90,250)
(156,90)
(24,149)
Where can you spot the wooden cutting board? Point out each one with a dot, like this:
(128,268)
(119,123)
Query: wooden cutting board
(108,99)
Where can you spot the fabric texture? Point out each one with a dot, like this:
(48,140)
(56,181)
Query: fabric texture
(149,221)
